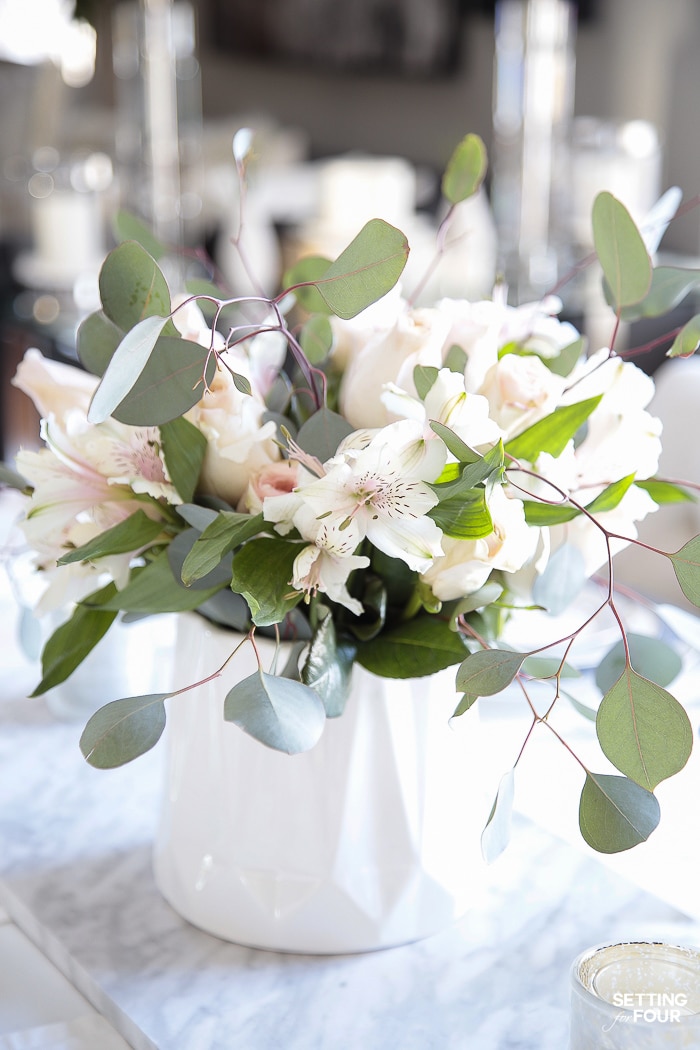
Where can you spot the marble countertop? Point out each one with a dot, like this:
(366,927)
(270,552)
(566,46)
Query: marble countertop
(75,876)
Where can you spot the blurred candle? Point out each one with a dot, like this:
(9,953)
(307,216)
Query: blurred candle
(636,996)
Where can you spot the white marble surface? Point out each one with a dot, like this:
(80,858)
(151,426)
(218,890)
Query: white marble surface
(75,876)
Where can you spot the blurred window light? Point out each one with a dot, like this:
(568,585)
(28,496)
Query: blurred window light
(35,31)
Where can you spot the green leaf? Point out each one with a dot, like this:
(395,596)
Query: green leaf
(465,170)
(464,517)
(13,479)
(424,377)
(488,671)
(650,657)
(72,641)
(97,340)
(615,813)
(184,447)
(322,433)
(368,268)
(472,474)
(316,338)
(563,578)
(196,516)
(487,594)
(666,491)
(555,514)
(687,341)
(553,433)
(262,570)
(227,531)
(456,446)
(123,730)
(125,367)
(669,287)
(374,605)
(132,287)
(279,712)
(563,364)
(228,610)
(611,496)
(643,730)
(416,648)
(328,667)
(134,533)
(621,250)
(218,573)
(686,565)
(467,701)
(154,589)
(545,514)
(496,835)
(306,272)
(127,227)
(456,359)
(547,667)
(206,291)
(583,709)
(398,580)
(169,385)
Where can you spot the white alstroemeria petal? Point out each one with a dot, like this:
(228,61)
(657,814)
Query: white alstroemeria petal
(401,404)
(415,541)
(316,569)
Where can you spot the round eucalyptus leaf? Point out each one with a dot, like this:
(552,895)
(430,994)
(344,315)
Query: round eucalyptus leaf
(615,813)
(488,671)
(123,730)
(282,714)
(651,657)
(643,730)
(496,835)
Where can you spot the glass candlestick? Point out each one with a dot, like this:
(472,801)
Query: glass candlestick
(636,996)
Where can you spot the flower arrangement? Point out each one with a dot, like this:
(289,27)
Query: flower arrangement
(374,482)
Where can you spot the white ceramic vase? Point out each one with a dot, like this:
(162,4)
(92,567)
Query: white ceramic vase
(369,840)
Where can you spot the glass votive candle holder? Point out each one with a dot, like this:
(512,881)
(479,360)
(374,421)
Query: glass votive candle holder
(636,996)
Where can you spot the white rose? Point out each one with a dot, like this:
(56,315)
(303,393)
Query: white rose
(467,564)
(390,357)
(481,329)
(239,443)
(520,391)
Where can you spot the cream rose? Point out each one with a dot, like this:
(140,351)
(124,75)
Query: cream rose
(520,390)
(275,479)
(239,443)
(390,357)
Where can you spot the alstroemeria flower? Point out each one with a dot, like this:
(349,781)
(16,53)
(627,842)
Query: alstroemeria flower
(377,492)
(85,481)
(55,388)
(318,569)
(447,402)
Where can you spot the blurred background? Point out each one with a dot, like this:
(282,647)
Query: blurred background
(133,105)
